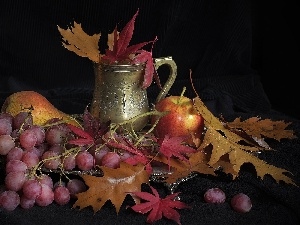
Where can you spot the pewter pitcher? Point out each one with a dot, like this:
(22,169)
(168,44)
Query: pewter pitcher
(119,96)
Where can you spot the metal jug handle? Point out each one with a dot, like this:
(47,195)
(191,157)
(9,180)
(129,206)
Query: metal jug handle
(172,76)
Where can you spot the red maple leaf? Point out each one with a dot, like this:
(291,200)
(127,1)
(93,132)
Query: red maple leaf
(146,57)
(136,159)
(91,131)
(84,138)
(159,207)
(172,146)
(93,126)
(133,54)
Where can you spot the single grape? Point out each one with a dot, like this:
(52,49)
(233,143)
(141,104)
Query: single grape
(59,183)
(55,135)
(26,203)
(59,149)
(32,188)
(125,155)
(6,116)
(15,166)
(22,119)
(111,160)
(84,160)
(30,158)
(5,126)
(98,153)
(39,133)
(15,153)
(46,179)
(214,195)
(7,142)
(46,197)
(14,180)
(42,148)
(61,195)
(63,127)
(9,200)
(36,150)
(51,159)
(28,139)
(76,186)
(241,203)
(69,162)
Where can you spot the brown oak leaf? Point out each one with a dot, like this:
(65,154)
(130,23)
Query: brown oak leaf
(260,128)
(118,52)
(226,142)
(113,186)
(76,40)
(197,163)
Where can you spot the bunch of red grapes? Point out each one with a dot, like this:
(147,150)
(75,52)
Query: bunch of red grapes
(31,152)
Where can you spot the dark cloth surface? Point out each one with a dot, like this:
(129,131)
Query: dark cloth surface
(212,38)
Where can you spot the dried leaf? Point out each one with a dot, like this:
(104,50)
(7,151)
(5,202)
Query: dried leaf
(226,142)
(238,158)
(112,39)
(118,51)
(77,41)
(113,186)
(197,163)
(259,128)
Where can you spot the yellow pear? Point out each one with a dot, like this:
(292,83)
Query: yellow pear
(41,109)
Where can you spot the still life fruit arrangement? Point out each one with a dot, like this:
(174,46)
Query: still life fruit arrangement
(95,162)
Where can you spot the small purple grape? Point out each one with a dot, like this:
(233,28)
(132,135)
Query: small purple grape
(214,195)
(241,203)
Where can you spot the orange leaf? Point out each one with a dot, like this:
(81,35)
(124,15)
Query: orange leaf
(77,41)
(227,142)
(256,127)
(112,38)
(197,163)
(113,186)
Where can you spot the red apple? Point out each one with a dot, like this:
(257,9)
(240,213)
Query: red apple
(182,119)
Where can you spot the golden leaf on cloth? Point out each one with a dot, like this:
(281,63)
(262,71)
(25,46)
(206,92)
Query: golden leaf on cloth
(225,142)
(259,128)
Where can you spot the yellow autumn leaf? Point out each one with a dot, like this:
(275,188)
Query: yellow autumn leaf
(113,186)
(259,128)
(226,142)
(76,40)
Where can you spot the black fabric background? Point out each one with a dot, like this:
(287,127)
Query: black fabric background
(244,58)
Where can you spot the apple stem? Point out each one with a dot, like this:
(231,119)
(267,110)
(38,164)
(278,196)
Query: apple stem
(181,95)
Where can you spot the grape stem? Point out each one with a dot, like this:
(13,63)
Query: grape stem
(63,155)
(115,126)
